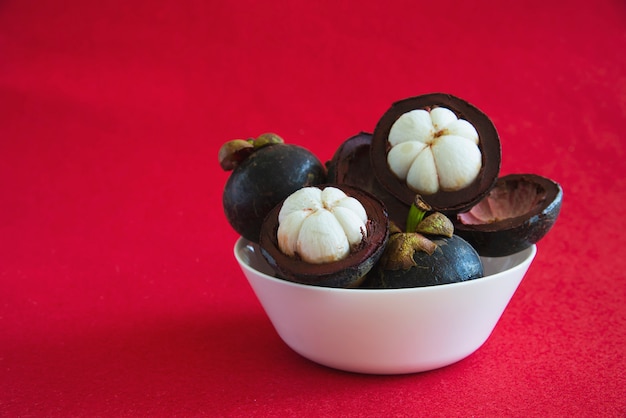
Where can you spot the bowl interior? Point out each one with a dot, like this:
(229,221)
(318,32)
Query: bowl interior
(249,257)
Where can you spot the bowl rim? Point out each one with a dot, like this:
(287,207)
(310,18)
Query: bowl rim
(242,243)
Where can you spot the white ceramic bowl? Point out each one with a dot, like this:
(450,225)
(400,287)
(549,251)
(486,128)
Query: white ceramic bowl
(385,331)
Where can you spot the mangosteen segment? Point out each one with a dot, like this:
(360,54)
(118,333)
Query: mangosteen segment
(517,213)
(345,271)
(440,146)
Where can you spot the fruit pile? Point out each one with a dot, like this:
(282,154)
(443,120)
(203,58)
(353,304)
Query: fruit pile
(416,203)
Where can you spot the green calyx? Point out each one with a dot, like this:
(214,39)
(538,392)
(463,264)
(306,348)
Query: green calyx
(233,153)
(266,139)
(416,215)
(436,223)
(421,222)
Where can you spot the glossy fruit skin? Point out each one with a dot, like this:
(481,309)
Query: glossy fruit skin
(510,236)
(454,260)
(263,180)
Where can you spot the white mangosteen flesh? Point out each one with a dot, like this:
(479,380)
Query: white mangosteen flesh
(320,225)
(433,150)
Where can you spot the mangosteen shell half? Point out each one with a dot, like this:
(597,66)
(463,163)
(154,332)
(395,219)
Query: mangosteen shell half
(454,260)
(265,178)
(517,213)
(351,165)
(448,202)
(348,272)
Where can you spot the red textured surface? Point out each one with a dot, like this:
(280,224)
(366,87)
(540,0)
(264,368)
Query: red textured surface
(119,294)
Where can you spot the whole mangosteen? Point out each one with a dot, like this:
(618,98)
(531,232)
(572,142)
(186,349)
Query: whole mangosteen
(517,212)
(265,171)
(327,235)
(427,254)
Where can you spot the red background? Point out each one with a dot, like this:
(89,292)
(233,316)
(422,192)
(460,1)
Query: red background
(119,294)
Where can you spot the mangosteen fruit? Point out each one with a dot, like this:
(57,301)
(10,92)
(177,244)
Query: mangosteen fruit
(351,165)
(326,235)
(265,171)
(517,212)
(427,254)
(438,146)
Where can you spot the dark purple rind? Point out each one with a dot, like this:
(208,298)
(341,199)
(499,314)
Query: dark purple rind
(453,261)
(446,202)
(348,272)
(512,235)
(264,179)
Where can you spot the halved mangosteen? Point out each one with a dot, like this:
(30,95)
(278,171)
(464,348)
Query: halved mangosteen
(517,212)
(326,235)
(439,146)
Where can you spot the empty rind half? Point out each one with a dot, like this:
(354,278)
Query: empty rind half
(517,212)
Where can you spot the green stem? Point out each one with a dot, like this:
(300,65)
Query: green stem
(414,218)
